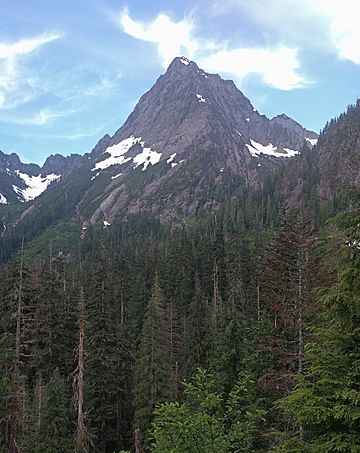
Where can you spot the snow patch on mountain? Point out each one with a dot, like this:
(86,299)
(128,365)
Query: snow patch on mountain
(184,61)
(117,155)
(3,199)
(35,185)
(312,141)
(171,158)
(256,149)
(290,152)
(146,157)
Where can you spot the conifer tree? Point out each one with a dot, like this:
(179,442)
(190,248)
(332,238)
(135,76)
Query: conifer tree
(55,432)
(81,433)
(287,292)
(198,332)
(230,341)
(152,367)
(326,400)
(16,350)
(101,381)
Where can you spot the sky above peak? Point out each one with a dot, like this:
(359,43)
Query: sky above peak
(72,71)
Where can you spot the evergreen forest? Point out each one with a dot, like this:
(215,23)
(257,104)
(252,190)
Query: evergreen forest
(235,332)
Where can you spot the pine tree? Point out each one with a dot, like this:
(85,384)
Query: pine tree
(152,368)
(101,381)
(55,432)
(198,332)
(287,292)
(230,339)
(81,432)
(55,320)
(16,352)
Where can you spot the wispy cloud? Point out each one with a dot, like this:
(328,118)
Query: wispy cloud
(40,118)
(71,136)
(16,80)
(277,66)
(26,46)
(171,38)
(333,24)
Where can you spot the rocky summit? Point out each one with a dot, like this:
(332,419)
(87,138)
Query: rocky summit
(189,131)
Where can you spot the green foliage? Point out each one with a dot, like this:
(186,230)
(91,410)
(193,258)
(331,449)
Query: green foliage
(205,421)
(326,400)
(102,381)
(152,367)
(56,423)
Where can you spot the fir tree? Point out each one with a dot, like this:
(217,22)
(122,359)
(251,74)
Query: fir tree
(198,332)
(101,380)
(55,432)
(152,368)
(16,341)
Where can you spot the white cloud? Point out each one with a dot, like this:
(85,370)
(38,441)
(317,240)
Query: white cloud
(331,24)
(41,118)
(344,26)
(16,81)
(172,38)
(26,46)
(277,66)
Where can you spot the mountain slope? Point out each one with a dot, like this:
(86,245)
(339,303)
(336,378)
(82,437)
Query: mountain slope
(192,143)
(332,166)
(21,182)
(192,131)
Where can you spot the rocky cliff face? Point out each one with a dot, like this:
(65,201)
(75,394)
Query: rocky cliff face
(191,131)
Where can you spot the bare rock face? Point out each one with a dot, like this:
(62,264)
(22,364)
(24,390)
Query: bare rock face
(189,132)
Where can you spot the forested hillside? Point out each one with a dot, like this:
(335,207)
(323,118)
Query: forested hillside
(97,341)
(197,297)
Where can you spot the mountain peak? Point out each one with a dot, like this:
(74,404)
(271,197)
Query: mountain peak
(183,67)
(191,126)
(181,62)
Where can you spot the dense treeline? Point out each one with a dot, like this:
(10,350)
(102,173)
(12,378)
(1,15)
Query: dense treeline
(96,343)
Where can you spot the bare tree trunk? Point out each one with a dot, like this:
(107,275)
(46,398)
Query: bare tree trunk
(303,259)
(12,424)
(138,447)
(120,346)
(81,435)
(174,347)
(39,401)
(216,296)
(300,314)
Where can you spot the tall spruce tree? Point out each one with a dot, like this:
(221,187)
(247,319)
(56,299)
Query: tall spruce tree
(55,431)
(152,368)
(288,280)
(101,380)
(16,351)
(197,332)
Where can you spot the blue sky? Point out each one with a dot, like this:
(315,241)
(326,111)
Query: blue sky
(72,70)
